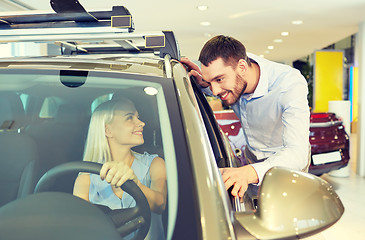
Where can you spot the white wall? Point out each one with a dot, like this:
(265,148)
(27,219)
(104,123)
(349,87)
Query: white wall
(29,49)
(360,62)
(5,50)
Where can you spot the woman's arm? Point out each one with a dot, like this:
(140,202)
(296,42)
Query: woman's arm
(82,186)
(156,194)
(116,173)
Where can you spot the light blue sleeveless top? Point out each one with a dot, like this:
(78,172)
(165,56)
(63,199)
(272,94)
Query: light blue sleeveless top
(101,193)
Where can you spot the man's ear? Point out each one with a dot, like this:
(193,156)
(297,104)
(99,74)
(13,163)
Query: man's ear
(242,66)
(108,133)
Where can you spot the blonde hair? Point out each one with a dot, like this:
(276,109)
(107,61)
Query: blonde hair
(96,146)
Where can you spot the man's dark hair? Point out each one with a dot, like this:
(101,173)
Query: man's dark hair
(228,48)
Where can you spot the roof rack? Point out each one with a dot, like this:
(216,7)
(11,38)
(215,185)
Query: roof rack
(81,32)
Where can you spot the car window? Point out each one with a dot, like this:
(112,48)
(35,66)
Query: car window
(100,100)
(49,107)
(222,149)
(59,128)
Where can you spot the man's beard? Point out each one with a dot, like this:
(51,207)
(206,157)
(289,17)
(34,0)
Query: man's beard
(237,91)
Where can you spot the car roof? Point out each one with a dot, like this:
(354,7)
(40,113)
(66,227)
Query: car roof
(78,32)
(109,63)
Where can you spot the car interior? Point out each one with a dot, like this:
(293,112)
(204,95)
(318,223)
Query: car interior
(41,129)
(43,126)
(19,164)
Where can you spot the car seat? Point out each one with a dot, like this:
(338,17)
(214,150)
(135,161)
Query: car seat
(18,150)
(61,140)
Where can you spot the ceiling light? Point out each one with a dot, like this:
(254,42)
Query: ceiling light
(284,33)
(150,91)
(278,40)
(270,47)
(208,35)
(297,22)
(262,55)
(205,23)
(266,52)
(202,7)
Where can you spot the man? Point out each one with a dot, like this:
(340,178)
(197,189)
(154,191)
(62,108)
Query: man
(271,101)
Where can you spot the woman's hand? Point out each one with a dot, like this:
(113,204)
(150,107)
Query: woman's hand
(117,173)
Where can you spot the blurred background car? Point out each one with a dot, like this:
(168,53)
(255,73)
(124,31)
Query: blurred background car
(330,148)
(330,143)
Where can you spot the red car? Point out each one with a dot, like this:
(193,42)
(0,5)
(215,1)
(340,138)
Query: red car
(328,138)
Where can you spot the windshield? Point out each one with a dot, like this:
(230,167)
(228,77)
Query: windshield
(45,121)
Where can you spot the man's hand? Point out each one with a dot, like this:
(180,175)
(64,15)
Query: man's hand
(239,178)
(194,71)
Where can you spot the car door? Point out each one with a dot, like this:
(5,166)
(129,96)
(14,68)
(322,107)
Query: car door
(221,147)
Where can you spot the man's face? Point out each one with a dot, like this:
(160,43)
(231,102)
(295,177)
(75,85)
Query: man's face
(225,81)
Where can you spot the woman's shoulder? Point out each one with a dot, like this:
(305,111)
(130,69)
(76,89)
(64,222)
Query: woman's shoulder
(145,158)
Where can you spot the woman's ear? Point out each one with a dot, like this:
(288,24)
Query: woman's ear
(108,132)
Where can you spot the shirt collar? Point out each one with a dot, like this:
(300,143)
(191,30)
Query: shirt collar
(263,85)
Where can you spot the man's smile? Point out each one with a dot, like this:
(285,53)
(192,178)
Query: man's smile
(223,96)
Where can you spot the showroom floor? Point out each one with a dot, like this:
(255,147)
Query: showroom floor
(351,191)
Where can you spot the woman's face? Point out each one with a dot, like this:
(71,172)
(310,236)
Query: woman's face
(126,128)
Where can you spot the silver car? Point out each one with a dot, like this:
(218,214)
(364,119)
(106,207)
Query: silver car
(45,108)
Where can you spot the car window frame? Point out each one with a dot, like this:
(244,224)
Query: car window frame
(211,126)
(223,153)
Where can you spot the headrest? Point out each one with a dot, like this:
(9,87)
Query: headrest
(68,113)
(12,115)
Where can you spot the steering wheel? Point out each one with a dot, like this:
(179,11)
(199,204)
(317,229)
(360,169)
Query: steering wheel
(126,220)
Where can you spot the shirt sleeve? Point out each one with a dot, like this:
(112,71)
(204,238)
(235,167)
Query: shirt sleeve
(207,91)
(295,120)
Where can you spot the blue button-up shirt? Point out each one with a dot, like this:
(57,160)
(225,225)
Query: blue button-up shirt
(275,117)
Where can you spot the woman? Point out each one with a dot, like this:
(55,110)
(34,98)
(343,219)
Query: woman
(114,129)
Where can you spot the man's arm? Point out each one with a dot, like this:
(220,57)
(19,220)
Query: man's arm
(194,71)
(295,120)
(239,178)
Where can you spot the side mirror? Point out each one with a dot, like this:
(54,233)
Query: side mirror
(292,204)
